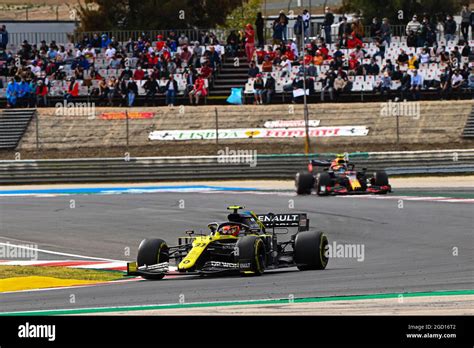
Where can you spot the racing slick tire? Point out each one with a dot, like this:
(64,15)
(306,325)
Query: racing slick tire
(381,178)
(304,183)
(310,250)
(150,252)
(323,179)
(251,249)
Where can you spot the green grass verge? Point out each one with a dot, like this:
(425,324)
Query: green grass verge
(59,272)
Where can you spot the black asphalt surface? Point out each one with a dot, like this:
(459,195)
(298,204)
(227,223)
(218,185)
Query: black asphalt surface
(420,246)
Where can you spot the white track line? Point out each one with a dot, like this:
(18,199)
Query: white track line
(58,253)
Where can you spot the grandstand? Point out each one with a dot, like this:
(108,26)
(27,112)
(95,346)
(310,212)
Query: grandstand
(90,59)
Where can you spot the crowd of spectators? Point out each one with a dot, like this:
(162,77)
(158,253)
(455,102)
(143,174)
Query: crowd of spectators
(344,56)
(111,71)
(430,57)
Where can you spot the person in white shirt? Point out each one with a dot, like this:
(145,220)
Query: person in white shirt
(456,81)
(425,57)
(413,25)
(285,66)
(110,52)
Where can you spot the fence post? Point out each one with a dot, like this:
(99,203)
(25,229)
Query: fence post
(127,127)
(37,130)
(398,129)
(217,127)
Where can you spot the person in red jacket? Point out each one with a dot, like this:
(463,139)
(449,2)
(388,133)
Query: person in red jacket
(139,74)
(249,41)
(72,90)
(198,91)
(160,43)
(41,94)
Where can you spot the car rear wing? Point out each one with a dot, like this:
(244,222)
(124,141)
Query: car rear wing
(299,220)
(320,163)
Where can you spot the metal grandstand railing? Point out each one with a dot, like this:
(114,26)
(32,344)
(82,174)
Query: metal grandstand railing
(192,34)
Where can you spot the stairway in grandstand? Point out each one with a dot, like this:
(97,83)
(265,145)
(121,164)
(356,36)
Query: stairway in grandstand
(469,129)
(230,76)
(13,124)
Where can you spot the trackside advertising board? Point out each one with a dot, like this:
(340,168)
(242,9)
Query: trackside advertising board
(257,133)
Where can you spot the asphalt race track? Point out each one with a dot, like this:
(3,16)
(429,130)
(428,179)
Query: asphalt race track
(409,246)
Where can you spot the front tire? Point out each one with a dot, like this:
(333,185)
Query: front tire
(304,183)
(323,180)
(310,250)
(150,252)
(252,250)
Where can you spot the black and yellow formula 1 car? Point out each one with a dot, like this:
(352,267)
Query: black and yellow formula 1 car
(246,243)
(339,177)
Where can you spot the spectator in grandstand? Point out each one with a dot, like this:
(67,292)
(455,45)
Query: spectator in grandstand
(214,58)
(269,88)
(249,42)
(413,62)
(259,26)
(340,84)
(198,91)
(41,94)
(112,90)
(101,92)
(425,57)
(105,42)
(450,27)
(380,46)
(412,39)
(344,29)
(414,25)
(307,24)
(151,88)
(416,84)
(402,57)
(132,92)
(386,32)
(182,40)
(372,68)
(278,28)
(285,66)
(456,82)
(233,43)
(253,70)
(375,28)
(465,53)
(284,22)
(386,84)
(258,87)
(445,83)
(206,70)
(171,89)
(405,85)
(72,90)
(327,23)
(12,92)
(328,84)
(110,52)
(298,30)
(267,65)
(4,39)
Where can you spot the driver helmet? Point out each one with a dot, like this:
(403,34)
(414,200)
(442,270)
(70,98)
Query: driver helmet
(233,230)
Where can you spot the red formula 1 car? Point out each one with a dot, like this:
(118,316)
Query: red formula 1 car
(340,177)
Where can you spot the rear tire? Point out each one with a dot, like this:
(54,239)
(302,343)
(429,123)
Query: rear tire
(150,252)
(323,179)
(252,250)
(381,179)
(304,183)
(310,250)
